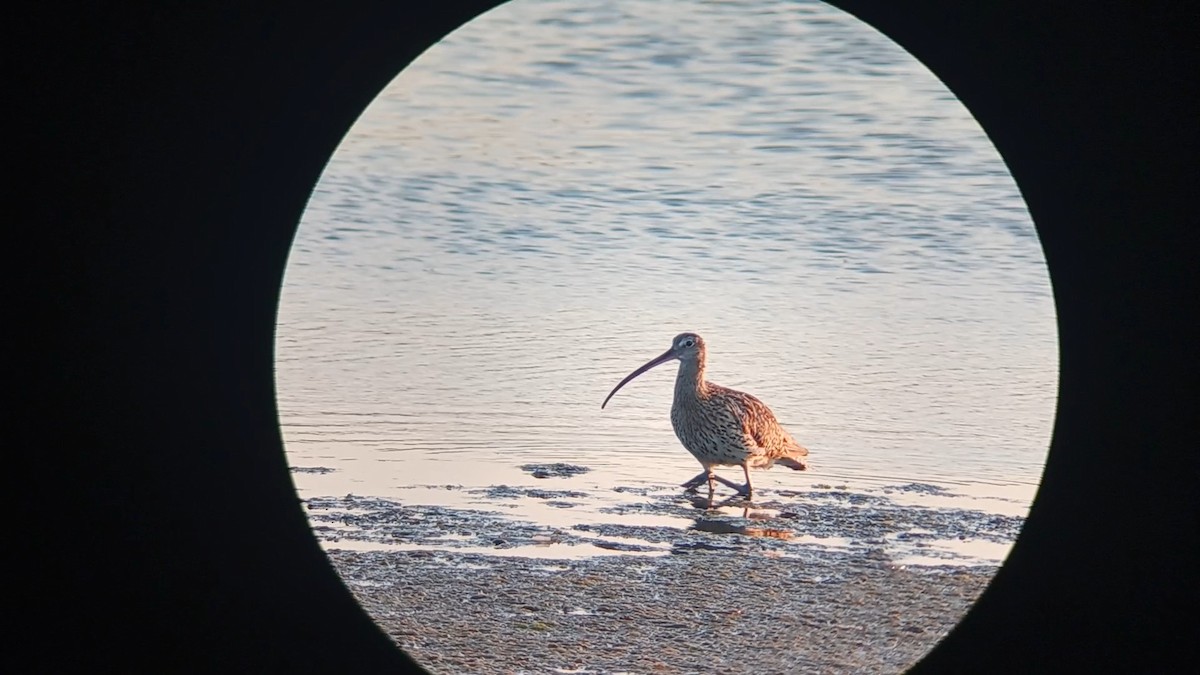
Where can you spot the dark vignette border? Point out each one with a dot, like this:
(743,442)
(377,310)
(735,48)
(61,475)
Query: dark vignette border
(164,155)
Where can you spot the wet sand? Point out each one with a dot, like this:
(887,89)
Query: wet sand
(815,581)
(702,612)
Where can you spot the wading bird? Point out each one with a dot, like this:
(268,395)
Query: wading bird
(718,425)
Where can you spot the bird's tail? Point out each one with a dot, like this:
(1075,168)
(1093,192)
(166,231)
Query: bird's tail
(794,460)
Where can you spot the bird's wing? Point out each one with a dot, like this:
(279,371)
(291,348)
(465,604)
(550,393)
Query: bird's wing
(760,424)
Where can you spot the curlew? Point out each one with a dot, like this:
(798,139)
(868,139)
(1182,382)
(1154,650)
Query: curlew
(718,425)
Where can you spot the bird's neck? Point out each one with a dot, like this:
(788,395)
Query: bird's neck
(689,382)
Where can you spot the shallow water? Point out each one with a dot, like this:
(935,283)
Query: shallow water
(550,524)
(541,201)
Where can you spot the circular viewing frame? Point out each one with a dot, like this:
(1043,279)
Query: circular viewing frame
(191,143)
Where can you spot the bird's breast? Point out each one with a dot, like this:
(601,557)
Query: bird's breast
(708,430)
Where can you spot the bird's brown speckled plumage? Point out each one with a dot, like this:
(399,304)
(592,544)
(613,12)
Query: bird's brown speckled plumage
(718,425)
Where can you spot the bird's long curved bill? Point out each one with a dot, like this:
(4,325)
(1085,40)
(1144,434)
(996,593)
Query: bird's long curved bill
(656,361)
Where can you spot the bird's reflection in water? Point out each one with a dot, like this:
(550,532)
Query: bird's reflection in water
(710,520)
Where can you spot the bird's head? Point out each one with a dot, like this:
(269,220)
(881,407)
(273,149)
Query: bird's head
(687,347)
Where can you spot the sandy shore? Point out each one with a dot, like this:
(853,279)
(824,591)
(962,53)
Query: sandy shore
(702,611)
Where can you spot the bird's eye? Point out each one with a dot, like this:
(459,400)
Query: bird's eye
(688,342)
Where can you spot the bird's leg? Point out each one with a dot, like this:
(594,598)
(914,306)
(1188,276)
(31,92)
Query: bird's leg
(749,489)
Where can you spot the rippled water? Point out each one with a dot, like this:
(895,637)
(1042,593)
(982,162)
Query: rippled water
(541,201)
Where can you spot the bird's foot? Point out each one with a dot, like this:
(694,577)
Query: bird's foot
(728,483)
(712,478)
(700,479)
